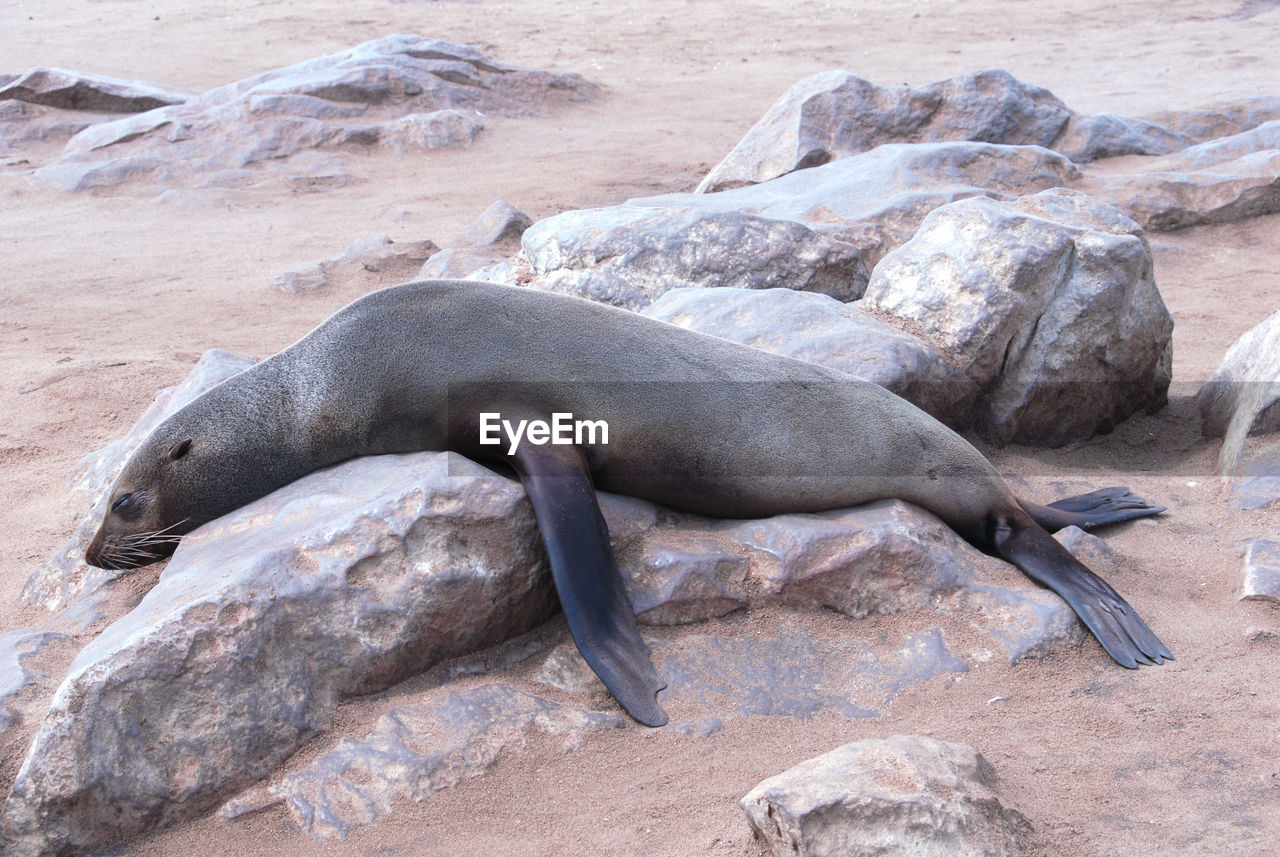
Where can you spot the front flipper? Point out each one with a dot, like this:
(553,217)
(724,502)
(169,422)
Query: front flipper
(1116,625)
(1104,506)
(601,618)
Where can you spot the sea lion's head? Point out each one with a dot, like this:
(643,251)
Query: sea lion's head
(144,518)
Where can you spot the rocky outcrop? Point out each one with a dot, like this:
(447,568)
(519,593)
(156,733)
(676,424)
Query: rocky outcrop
(73,90)
(836,115)
(1047,304)
(401,92)
(895,797)
(375,259)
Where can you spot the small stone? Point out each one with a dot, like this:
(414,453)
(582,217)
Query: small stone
(1261,571)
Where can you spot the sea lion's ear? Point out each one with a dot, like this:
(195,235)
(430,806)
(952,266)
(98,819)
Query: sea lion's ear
(179,449)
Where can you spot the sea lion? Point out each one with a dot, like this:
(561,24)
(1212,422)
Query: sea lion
(694,422)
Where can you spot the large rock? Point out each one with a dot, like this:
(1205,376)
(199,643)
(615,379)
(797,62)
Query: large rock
(1048,304)
(901,796)
(342,583)
(819,329)
(815,230)
(836,114)
(404,92)
(1220,181)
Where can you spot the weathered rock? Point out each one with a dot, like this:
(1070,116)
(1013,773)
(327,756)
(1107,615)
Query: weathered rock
(418,749)
(492,238)
(74,90)
(19,677)
(405,92)
(1220,181)
(1048,304)
(1220,119)
(884,557)
(819,329)
(897,797)
(343,582)
(1242,397)
(814,230)
(1106,135)
(65,582)
(1261,580)
(375,258)
(836,114)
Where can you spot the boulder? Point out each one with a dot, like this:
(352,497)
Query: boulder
(1242,397)
(900,796)
(403,92)
(1048,304)
(1220,119)
(375,259)
(815,230)
(819,329)
(341,583)
(836,114)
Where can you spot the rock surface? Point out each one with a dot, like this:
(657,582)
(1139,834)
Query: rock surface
(376,259)
(418,749)
(901,796)
(404,92)
(1048,304)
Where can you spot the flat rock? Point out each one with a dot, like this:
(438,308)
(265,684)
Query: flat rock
(402,92)
(1220,181)
(819,329)
(900,796)
(375,259)
(341,583)
(836,114)
(1048,304)
(1219,119)
(417,749)
(1261,581)
(816,230)
(74,90)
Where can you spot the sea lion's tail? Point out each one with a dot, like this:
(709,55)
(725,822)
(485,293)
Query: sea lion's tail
(1108,616)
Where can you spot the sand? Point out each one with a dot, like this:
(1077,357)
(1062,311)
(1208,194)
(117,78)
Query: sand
(108,297)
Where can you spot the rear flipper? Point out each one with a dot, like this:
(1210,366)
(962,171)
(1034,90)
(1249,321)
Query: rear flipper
(1116,625)
(1104,506)
(601,618)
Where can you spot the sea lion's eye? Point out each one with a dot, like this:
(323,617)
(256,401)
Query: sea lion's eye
(122,503)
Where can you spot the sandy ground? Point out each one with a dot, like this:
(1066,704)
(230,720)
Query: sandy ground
(107,298)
